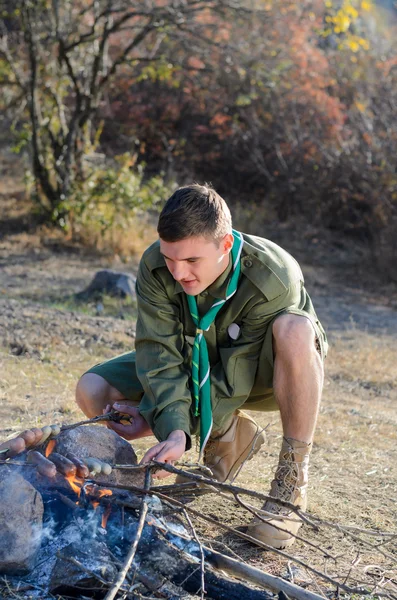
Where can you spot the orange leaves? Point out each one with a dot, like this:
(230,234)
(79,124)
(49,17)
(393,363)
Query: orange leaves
(195,63)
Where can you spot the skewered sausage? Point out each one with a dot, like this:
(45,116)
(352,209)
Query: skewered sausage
(63,465)
(44,466)
(81,469)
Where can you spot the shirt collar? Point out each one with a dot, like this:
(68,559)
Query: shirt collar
(218,289)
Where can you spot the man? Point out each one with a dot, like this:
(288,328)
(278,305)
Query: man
(224,322)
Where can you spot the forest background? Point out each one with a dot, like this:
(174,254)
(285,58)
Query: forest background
(287,108)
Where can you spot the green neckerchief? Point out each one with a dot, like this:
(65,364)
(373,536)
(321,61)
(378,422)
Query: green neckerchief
(200,360)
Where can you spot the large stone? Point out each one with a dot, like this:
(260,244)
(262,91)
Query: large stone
(96,441)
(21,522)
(110,282)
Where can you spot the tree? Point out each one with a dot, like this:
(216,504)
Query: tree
(60,57)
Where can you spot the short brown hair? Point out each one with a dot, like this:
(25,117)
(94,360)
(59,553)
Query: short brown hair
(192,211)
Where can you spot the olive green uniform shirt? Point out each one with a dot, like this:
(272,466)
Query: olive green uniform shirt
(271,283)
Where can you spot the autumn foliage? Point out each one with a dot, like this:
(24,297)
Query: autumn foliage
(288,105)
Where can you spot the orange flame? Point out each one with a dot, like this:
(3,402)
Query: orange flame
(75,483)
(50,447)
(94,490)
(102,493)
(106,515)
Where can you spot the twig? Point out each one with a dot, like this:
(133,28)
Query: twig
(234,489)
(202,562)
(348,528)
(112,416)
(201,468)
(130,557)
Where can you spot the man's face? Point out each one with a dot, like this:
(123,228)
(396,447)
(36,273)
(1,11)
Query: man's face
(196,262)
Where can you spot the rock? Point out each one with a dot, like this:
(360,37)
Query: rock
(21,523)
(109,282)
(93,555)
(96,441)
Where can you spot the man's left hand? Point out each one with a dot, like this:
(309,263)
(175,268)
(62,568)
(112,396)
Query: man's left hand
(167,452)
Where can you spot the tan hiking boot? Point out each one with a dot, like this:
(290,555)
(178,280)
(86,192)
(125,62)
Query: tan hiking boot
(224,454)
(289,484)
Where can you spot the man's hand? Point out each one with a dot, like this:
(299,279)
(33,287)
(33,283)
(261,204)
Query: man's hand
(138,427)
(169,451)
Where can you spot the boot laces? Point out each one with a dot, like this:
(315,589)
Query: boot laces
(285,484)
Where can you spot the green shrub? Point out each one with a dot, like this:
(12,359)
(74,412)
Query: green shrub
(112,197)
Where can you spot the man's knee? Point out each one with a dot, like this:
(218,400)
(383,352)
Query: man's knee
(293,333)
(93,393)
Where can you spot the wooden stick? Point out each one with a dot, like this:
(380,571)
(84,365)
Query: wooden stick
(202,556)
(257,577)
(234,489)
(98,419)
(131,554)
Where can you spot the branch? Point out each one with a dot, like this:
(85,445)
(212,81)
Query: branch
(202,556)
(40,171)
(63,54)
(131,554)
(135,42)
(10,82)
(234,489)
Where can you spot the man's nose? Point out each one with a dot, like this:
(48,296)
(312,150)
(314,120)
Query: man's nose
(179,271)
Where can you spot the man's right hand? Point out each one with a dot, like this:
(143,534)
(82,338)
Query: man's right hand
(137,428)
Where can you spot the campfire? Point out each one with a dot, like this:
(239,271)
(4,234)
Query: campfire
(80,531)
(79,518)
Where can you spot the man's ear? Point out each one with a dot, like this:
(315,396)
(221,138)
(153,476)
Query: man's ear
(227,243)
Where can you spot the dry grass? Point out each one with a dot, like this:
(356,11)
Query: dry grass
(354,460)
(353,467)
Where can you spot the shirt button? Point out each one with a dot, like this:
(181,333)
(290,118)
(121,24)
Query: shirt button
(247,262)
(204,294)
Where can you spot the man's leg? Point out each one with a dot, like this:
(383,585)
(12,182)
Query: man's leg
(94,393)
(297,380)
(114,380)
(298,376)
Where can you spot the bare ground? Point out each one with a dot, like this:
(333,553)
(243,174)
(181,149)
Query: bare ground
(47,341)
